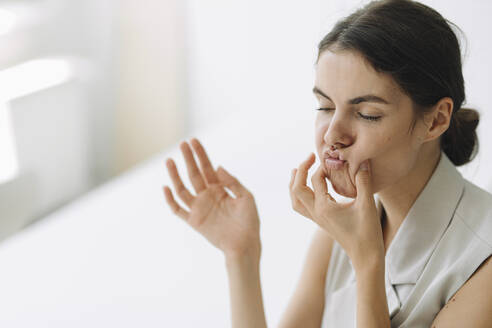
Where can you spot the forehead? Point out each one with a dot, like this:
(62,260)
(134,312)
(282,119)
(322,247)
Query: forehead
(345,74)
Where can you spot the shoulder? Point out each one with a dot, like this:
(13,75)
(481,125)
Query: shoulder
(471,305)
(475,210)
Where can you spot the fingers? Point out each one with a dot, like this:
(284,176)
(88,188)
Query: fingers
(319,184)
(363,182)
(232,183)
(302,171)
(178,210)
(206,165)
(300,188)
(296,204)
(318,181)
(194,173)
(179,187)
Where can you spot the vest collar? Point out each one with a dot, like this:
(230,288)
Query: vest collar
(425,223)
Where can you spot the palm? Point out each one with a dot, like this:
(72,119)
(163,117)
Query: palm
(230,224)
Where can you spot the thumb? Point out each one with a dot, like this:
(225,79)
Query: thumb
(231,182)
(363,181)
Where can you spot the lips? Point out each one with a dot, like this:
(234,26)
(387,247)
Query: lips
(335,164)
(333,160)
(337,157)
(333,155)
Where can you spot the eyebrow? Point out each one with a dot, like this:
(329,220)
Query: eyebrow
(356,100)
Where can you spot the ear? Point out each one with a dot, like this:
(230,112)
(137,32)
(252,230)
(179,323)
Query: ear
(438,120)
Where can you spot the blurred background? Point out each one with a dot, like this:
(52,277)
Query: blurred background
(96,94)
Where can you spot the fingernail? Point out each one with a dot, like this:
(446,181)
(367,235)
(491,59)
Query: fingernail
(364,166)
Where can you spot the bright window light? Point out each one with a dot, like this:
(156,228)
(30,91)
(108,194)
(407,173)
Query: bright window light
(18,81)
(32,76)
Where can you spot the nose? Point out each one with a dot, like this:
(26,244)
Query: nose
(339,131)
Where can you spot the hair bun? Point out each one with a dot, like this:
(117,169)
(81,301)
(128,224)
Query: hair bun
(460,142)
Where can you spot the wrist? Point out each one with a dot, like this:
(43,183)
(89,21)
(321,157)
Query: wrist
(248,256)
(370,263)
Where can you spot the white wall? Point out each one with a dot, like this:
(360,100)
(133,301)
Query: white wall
(251,56)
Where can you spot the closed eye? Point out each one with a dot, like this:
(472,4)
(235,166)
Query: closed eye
(366,117)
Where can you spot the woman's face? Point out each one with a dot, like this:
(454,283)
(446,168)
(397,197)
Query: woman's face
(346,78)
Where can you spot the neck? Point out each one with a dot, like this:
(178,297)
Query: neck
(399,198)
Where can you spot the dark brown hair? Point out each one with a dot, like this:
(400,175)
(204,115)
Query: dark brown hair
(415,45)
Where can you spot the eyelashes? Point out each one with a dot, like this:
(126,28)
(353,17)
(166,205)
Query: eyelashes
(365,117)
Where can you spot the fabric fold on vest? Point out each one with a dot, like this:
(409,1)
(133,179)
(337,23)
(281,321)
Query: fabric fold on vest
(425,224)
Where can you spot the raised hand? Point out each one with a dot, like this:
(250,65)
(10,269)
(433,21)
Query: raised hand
(355,225)
(230,223)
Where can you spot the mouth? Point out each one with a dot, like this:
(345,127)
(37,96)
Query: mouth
(334,163)
(333,154)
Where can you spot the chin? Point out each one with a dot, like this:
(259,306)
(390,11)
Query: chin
(341,183)
(349,192)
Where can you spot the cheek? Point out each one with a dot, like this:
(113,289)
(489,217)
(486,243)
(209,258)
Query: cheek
(319,132)
(391,161)
(368,148)
(379,149)
(320,127)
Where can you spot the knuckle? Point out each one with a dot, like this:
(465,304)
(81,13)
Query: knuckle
(182,194)
(175,209)
(296,203)
(195,174)
(204,165)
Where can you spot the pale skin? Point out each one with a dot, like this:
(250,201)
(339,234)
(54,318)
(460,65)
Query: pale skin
(232,223)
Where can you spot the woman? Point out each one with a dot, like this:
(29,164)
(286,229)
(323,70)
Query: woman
(390,124)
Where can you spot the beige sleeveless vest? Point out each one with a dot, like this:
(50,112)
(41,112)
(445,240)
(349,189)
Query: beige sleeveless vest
(445,236)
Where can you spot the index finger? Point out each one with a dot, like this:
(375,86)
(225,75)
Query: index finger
(207,168)
(302,172)
(319,182)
